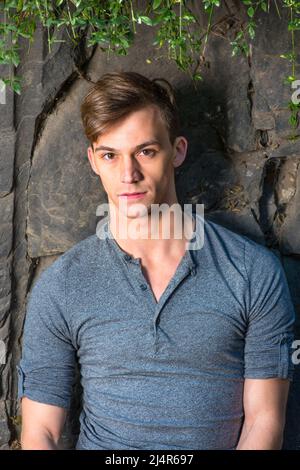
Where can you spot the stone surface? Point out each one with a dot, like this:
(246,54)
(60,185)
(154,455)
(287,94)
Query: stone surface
(290,231)
(5,290)
(63,192)
(6,217)
(4,431)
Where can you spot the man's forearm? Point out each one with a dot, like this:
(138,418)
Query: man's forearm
(264,433)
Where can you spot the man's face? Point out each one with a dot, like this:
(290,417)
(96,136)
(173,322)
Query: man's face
(135,155)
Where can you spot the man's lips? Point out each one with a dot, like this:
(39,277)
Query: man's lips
(132,195)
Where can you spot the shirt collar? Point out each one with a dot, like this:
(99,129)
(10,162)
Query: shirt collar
(189,257)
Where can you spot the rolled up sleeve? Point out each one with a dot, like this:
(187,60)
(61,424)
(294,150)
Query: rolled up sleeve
(271,317)
(46,371)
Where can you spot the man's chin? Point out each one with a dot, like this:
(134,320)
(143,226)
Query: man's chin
(134,210)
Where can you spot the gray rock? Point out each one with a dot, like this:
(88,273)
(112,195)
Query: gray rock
(4,432)
(286,185)
(290,229)
(6,217)
(63,193)
(5,290)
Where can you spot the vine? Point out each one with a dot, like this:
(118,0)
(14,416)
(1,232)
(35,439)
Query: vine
(113,24)
(294,25)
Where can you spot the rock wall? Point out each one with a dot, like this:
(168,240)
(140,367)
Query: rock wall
(240,164)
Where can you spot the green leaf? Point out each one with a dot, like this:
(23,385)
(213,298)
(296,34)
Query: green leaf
(289,56)
(124,42)
(197,76)
(16,87)
(250,12)
(14,83)
(146,20)
(235,51)
(25,35)
(251,32)
(189,17)
(264,6)
(288,80)
(156,4)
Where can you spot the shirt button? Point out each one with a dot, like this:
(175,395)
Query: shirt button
(193,271)
(127,257)
(143,286)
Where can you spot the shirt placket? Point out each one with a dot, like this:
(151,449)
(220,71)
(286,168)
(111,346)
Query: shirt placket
(186,267)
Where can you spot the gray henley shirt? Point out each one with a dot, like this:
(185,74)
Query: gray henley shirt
(158,375)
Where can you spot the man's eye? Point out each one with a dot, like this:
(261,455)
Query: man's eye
(148,152)
(107,154)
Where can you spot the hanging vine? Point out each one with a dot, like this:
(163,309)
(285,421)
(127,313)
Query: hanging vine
(113,24)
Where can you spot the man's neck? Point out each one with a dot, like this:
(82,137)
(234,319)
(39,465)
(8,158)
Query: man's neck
(154,238)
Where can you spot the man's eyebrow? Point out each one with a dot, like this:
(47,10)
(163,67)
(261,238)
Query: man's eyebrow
(138,147)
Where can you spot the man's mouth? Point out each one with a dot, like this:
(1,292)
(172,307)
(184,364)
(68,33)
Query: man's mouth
(132,195)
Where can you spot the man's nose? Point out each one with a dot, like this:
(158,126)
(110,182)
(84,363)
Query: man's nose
(129,170)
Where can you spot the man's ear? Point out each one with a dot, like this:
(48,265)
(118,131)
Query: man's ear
(91,157)
(180,150)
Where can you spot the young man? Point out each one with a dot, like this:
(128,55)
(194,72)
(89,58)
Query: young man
(178,348)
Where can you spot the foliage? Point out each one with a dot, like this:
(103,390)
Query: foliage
(113,24)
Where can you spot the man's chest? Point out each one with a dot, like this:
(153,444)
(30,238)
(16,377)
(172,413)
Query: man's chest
(192,329)
(158,279)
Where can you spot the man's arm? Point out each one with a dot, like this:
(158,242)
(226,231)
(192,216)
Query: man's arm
(46,372)
(42,425)
(264,407)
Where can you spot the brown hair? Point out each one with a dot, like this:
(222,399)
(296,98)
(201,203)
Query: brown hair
(117,94)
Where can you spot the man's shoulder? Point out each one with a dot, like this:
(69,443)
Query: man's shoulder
(83,255)
(218,235)
(234,243)
(82,252)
